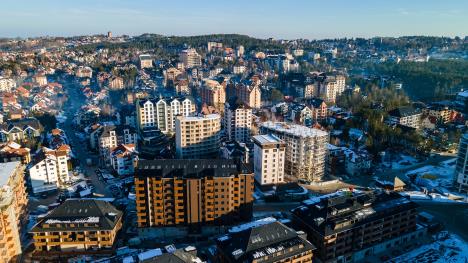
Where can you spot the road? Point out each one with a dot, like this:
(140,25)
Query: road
(74,103)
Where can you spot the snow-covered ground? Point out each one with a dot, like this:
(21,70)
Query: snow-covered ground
(448,248)
(437,179)
(401,162)
(435,175)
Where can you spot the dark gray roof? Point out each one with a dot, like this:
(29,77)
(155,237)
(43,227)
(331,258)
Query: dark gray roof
(85,214)
(251,243)
(21,124)
(403,112)
(178,256)
(343,210)
(314,102)
(186,168)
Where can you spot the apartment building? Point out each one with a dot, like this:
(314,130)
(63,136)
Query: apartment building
(12,151)
(318,107)
(305,149)
(237,151)
(77,225)
(198,136)
(324,86)
(405,116)
(13,210)
(269,157)
(237,121)
(349,226)
(20,129)
(461,169)
(265,240)
(214,46)
(213,93)
(192,193)
(110,136)
(6,85)
(123,159)
(145,61)
(182,87)
(441,113)
(250,94)
(300,114)
(311,90)
(170,75)
(84,72)
(39,79)
(190,58)
(332,87)
(115,83)
(48,170)
(162,112)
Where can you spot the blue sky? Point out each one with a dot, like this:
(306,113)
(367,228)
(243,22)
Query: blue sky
(287,19)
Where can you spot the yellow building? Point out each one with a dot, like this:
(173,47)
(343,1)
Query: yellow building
(13,202)
(78,225)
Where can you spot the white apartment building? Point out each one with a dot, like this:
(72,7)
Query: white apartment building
(332,87)
(461,170)
(405,116)
(7,84)
(305,149)
(48,170)
(110,136)
(190,58)
(198,137)
(238,121)
(162,113)
(123,158)
(269,157)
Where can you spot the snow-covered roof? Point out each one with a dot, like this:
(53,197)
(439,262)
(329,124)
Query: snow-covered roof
(149,254)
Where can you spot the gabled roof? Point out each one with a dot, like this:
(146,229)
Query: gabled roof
(403,112)
(263,239)
(85,214)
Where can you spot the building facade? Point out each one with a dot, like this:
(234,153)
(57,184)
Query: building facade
(198,137)
(305,149)
(13,210)
(146,61)
(213,93)
(269,157)
(461,169)
(110,136)
(405,116)
(344,224)
(48,170)
(123,159)
(77,226)
(250,94)
(162,112)
(192,192)
(238,120)
(190,58)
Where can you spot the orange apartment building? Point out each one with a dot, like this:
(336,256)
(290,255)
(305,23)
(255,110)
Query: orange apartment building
(13,214)
(192,193)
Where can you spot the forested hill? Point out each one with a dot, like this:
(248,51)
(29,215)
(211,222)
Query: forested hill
(433,80)
(151,41)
